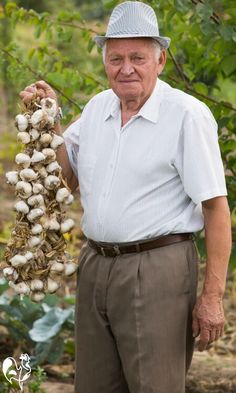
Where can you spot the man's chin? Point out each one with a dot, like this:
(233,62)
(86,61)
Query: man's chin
(128,94)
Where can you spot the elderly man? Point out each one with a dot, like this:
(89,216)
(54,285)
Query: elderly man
(148,165)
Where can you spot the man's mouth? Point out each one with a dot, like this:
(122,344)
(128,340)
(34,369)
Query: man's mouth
(128,81)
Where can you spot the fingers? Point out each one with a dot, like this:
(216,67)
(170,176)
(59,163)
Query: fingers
(40,89)
(209,335)
(41,84)
(195,327)
(213,334)
(26,97)
(204,339)
(218,334)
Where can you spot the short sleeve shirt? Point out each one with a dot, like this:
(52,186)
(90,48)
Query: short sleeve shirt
(149,177)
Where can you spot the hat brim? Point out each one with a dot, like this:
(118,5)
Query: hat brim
(163,41)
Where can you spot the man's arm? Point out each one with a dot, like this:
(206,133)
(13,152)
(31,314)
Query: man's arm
(208,314)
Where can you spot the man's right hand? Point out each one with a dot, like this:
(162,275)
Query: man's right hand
(39,88)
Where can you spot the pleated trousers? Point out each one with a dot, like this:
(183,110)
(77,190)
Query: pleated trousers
(133,320)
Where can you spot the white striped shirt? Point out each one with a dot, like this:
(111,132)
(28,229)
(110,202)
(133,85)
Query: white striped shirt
(149,177)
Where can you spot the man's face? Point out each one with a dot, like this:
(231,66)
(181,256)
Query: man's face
(132,67)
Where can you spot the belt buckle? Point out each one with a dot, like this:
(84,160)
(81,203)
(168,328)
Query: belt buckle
(116,249)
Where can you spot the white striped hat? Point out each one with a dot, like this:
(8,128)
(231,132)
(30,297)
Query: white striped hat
(133,19)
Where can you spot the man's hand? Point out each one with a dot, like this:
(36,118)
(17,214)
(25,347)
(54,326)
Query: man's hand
(39,88)
(208,320)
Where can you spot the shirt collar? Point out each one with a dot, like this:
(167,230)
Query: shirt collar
(149,111)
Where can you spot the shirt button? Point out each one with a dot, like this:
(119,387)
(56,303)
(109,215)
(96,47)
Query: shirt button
(104,194)
(111,166)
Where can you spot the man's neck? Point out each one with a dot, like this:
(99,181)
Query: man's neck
(130,108)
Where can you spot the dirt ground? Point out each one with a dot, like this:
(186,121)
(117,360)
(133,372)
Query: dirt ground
(208,374)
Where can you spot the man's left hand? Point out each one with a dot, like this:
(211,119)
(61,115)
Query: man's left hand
(208,320)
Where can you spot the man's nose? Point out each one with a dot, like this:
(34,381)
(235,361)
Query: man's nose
(127,68)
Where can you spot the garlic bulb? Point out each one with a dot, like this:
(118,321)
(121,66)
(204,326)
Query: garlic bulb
(37,157)
(34,214)
(38,188)
(40,119)
(52,286)
(37,296)
(24,189)
(69,200)
(10,273)
(52,225)
(37,229)
(28,174)
(57,267)
(56,141)
(53,167)
(21,122)
(45,139)
(67,225)
(29,255)
(34,134)
(23,159)
(36,285)
(62,194)
(12,177)
(23,137)
(21,288)
(70,268)
(49,154)
(18,260)
(21,207)
(34,241)
(36,200)
(52,182)
(49,106)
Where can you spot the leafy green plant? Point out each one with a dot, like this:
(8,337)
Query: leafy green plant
(37,378)
(45,331)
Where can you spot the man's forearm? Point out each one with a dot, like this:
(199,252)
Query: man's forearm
(218,244)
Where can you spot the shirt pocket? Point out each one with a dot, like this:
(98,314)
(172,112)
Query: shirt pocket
(86,166)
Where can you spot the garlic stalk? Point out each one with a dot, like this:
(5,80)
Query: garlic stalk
(35,259)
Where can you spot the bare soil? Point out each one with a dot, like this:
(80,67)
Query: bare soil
(208,374)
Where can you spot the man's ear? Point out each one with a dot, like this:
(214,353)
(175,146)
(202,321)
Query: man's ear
(162,61)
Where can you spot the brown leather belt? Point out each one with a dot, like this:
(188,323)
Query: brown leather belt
(115,249)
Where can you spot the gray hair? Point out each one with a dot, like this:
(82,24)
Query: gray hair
(156,45)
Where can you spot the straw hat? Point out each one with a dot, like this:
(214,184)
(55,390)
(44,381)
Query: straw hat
(133,19)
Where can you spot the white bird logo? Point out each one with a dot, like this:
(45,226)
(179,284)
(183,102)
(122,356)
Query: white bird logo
(12,372)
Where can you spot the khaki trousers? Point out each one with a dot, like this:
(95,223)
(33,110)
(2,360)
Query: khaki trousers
(133,320)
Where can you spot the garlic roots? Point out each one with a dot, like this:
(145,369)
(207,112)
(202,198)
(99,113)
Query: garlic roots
(35,257)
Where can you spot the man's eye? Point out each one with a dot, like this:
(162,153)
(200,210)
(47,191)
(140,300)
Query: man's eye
(115,60)
(138,58)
